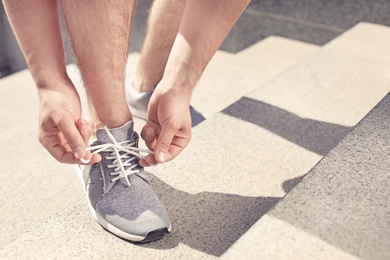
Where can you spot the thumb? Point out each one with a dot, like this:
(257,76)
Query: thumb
(162,153)
(72,135)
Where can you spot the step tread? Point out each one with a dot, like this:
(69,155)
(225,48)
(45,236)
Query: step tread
(349,74)
(272,238)
(339,202)
(344,199)
(236,75)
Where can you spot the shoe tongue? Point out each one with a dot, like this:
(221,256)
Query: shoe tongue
(122,133)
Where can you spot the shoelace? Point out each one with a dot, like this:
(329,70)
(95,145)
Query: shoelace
(122,154)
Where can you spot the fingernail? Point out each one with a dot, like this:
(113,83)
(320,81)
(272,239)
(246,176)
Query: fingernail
(146,163)
(85,161)
(78,152)
(161,156)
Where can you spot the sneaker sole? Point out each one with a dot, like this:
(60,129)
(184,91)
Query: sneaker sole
(151,236)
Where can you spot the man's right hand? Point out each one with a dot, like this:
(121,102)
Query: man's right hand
(62,131)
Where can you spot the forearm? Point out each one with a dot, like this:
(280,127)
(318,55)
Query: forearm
(204,26)
(37,29)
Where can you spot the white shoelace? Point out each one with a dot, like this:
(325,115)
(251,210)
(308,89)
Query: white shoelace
(121,161)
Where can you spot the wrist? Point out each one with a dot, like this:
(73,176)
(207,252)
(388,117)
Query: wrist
(53,80)
(52,86)
(179,76)
(176,84)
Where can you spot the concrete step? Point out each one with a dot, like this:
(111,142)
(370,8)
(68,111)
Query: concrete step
(339,210)
(33,186)
(39,188)
(241,162)
(228,77)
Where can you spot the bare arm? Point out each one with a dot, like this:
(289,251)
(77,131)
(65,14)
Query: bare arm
(204,26)
(37,29)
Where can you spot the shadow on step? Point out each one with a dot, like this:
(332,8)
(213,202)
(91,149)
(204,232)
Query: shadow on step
(316,136)
(209,222)
(196,117)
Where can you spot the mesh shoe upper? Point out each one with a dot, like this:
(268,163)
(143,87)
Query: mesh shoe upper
(118,189)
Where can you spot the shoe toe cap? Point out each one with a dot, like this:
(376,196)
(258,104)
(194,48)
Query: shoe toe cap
(146,227)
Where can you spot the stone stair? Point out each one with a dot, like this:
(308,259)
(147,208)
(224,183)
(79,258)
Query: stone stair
(290,105)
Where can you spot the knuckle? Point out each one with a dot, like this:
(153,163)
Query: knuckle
(42,139)
(170,124)
(165,144)
(72,140)
(63,119)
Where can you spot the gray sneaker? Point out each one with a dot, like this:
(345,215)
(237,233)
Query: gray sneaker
(137,101)
(119,195)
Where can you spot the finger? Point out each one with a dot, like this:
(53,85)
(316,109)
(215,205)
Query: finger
(148,161)
(72,135)
(56,146)
(62,155)
(94,159)
(163,144)
(148,133)
(83,128)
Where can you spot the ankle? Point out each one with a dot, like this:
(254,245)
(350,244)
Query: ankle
(141,84)
(113,118)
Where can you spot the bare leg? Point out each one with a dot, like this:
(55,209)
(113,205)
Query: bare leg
(99,32)
(163,24)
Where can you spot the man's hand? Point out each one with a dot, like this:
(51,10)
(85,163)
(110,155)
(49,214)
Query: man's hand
(62,131)
(168,128)
(203,27)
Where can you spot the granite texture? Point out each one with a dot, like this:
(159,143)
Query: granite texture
(292,8)
(344,199)
(206,224)
(338,85)
(36,185)
(271,238)
(210,208)
(252,27)
(346,13)
(312,21)
(316,136)
(337,204)
(231,76)
(341,14)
